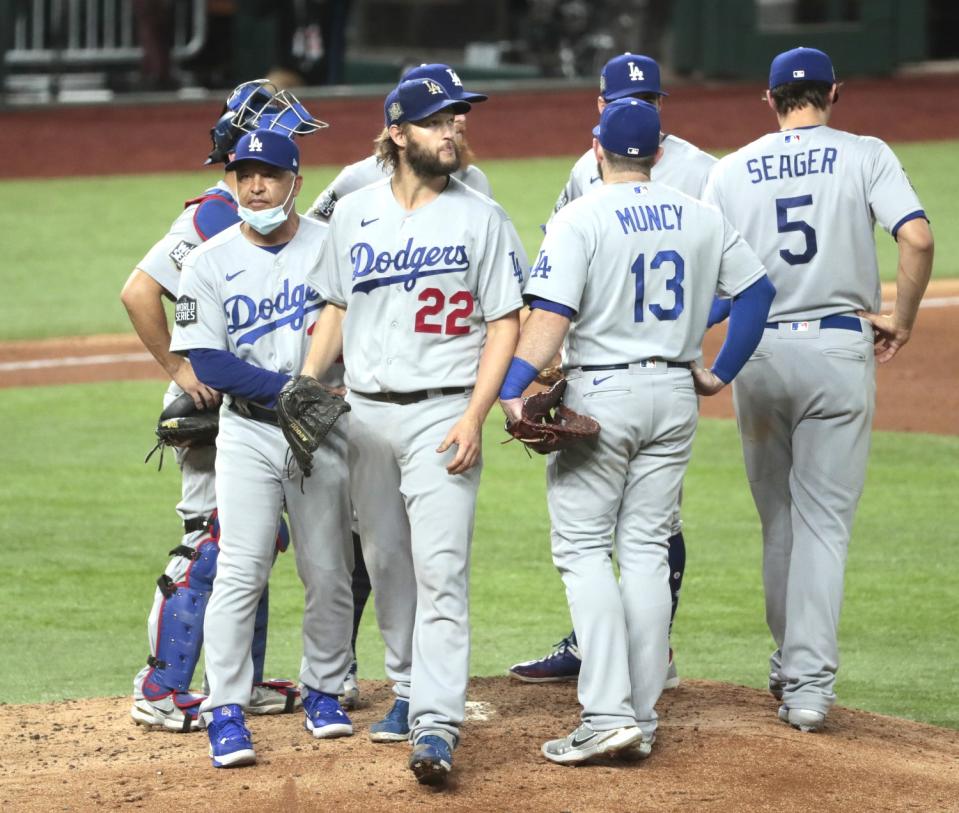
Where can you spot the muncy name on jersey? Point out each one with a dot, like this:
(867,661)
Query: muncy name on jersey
(412,259)
(290,306)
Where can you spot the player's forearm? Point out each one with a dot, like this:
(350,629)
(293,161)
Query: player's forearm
(916,249)
(142,298)
(540,341)
(501,337)
(327,342)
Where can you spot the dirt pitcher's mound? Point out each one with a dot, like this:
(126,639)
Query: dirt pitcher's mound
(720,748)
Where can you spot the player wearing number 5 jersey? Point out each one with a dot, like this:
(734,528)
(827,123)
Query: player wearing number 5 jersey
(806,199)
(626,275)
(422,278)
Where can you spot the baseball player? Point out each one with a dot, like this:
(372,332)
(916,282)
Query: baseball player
(806,198)
(685,168)
(422,279)
(242,316)
(626,276)
(371,169)
(161,690)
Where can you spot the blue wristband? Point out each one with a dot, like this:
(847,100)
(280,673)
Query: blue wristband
(518,377)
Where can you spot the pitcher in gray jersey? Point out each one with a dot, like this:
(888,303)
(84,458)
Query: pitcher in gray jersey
(683,167)
(626,275)
(370,169)
(422,278)
(806,198)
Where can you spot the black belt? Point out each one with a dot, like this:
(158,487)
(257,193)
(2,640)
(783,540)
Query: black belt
(838,321)
(404,398)
(255,412)
(589,368)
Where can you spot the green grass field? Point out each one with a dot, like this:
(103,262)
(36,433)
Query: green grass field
(65,266)
(86,527)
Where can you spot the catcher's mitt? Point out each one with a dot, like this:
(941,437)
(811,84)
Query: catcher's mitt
(547,426)
(306,411)
(182,425)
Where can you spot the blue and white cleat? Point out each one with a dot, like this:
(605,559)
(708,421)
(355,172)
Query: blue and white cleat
(325,717)
(230,742)
(563,663)
(395,726)
(431,760)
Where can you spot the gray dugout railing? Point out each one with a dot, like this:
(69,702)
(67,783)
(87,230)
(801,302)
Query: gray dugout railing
(67,34)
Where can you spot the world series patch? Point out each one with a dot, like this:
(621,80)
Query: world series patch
(185,310)
(180,252)
(326,204)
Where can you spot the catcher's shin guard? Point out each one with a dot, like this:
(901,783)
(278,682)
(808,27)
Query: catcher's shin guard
(179,634)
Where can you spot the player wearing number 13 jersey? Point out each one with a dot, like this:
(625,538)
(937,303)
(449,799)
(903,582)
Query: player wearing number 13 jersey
(806,199)
(422,277)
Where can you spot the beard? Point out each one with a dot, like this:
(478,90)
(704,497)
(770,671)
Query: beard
(430,165)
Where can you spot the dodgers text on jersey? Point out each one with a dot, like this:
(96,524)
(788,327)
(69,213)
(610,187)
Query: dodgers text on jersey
(438,260)
(290,306)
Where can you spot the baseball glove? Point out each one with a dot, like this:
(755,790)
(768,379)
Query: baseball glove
(550,375)
(182,425)
(306,411)
(546,425)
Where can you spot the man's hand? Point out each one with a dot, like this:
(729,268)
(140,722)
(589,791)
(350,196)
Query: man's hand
(513,407)
(203,397)
(705,380)
(890,337)
(468,437)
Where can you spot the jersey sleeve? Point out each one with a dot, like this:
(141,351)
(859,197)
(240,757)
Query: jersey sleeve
(477,180)
(165,259)
(500,270)
(351,178)
(214,215)
(325,277)
(891,196)
(559,273)
(739,266)
(199,320)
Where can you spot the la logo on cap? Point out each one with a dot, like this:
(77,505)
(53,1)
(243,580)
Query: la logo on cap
(255,144)
(454,77)
(433,87)
(635,74)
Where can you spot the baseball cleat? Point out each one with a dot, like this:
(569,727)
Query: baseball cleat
(586,742)
(776,685)
(274,697)
(324,716)
(431,760)
(395,726)
(230,742)
(563,663)
(638,751)
(350,699)
(164,713)
(804,719)
(672,674)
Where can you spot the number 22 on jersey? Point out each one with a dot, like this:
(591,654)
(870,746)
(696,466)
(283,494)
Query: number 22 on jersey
(461,307)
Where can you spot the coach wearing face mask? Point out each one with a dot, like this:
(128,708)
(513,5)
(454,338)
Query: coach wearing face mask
(243,316)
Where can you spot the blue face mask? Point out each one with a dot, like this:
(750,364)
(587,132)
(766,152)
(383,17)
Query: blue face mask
(265,221)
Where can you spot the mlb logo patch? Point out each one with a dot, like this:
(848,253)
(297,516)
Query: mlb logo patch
(799,74)
(792,138)
(632,150)
(185,310)
(799,327)
(180,252)
(649,364)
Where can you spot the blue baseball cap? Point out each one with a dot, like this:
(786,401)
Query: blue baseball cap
(415,99)
(629,127)
(447,77)
(629,74)
(269,147)
(801,65)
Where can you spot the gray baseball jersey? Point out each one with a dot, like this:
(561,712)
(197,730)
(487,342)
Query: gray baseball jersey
(787,189)
(683,166)
(806,200)
(256,304)
(660,255)
(639,263)
(418,288)
(369,170)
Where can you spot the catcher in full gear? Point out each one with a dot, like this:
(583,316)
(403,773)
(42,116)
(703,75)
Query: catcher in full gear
(161,690)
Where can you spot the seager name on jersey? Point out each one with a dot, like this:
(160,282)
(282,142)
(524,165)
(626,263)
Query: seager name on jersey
(435,259)
(792,165)
(290,306)
(661,217)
